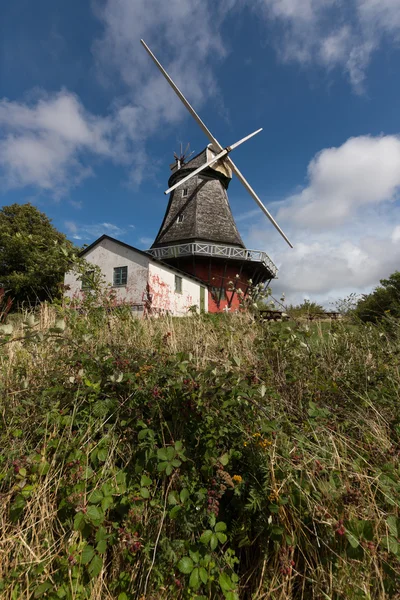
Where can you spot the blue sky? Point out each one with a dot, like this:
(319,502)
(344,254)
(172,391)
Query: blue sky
(88,126)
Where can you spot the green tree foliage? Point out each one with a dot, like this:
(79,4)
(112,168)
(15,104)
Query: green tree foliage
(383,301)
(306,308)
(33,254)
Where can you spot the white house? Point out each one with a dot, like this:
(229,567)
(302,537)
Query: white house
(146,284)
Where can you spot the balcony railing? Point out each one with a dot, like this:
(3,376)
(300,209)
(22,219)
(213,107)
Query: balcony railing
(207,249)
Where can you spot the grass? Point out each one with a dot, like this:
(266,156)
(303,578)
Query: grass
(206,457)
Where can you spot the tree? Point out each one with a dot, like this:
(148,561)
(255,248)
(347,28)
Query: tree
(33,255)
(383,301)
(306,309)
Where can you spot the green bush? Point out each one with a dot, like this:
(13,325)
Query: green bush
(382,303)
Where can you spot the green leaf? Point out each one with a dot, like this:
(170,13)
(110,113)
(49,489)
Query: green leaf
(101,546)
(168,469)
(162,454)
(101,534)
(237,361)
(184,495)
(222,537)
(225,582)
(107,502)
(144,492)
(213,541)
(178,446)
(176,462)
(145,481)
(162,466)
(393,545)
(368,531)
(143,433)
(173,513)
(96,497)
(87,554)
(95,566)
(392,525)
(353,541)
(224,459)
(277,530)
(43,468)
(170,453)
(220,526)
(94,514)
(203,575)
(195,556)
(88,473)
(102,454)
(194,581)
(206,536)
(79,521)
(185,565)
(173,498)
(42,589)
(123,596)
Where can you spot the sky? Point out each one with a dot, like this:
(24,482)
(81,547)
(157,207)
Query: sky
(88,126)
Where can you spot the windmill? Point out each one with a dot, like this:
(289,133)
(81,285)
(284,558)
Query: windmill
(198,233)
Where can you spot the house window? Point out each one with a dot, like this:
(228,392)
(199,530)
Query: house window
(120,276)
(185,192)
(87,280)
(216,291)
(180,218)
(178,284)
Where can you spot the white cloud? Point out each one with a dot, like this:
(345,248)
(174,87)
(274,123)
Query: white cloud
(43,143)
(145,241)
(344,225)
(50,143)
(331,32)
(80,231)
(185,35)
(396,234)
(334,264)
(364,171)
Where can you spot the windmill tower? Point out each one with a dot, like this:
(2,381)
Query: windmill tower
(198,234)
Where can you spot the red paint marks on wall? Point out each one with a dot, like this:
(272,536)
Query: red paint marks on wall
(159,298)
(158,295)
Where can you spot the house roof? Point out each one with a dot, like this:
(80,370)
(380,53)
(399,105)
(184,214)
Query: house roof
(146,254)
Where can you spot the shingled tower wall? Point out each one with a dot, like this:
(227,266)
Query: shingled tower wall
(199,209)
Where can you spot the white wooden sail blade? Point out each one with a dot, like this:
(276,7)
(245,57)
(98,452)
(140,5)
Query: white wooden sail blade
(177,91)
(212,161)
(256,198)
(233,146)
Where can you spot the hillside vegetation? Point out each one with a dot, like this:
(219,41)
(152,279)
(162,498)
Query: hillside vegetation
(203,457)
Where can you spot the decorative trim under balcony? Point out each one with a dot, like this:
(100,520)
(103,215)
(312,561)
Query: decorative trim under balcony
(217,250)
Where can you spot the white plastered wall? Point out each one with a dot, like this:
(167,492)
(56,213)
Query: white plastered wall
(107,255)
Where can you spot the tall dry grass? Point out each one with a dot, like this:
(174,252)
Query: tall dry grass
(322,492)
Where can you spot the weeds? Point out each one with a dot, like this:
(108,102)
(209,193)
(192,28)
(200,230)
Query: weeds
(207,457)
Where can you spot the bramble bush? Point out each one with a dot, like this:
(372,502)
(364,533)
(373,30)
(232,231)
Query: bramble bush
(206,457)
